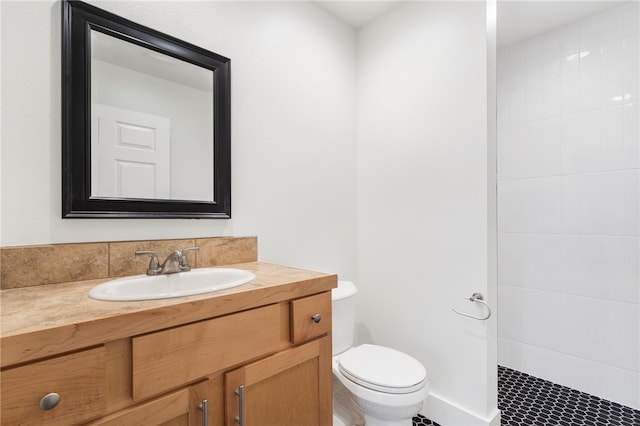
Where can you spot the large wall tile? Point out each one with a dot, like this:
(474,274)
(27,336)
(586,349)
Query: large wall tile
(631,52)
(613,203)
(632,270)
(612,153)
(569,206)
(570,138)
(612,90)
(518,86)
(590,204)
(590,58)
(570,69)
(631,182)
(533,79)
(590,141)
(631,17)
(223,251)
(614,283)
(551,89)
(631,136)
(25,266)
(49,264)
(532,150)
(551,146)
(551,208)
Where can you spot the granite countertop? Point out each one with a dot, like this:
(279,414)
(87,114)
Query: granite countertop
(41,321)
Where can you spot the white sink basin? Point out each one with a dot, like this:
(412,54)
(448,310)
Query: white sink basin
(196,281)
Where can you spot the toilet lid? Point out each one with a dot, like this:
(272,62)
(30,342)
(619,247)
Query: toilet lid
(382,369)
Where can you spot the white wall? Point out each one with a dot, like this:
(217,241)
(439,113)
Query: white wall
(568,206)
(424,227)
(423,204)
(293,128)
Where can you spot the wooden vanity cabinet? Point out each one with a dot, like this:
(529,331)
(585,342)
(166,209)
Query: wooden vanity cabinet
(290,388)
(278,354)
(169,358)
(78,378)
(183,407)
(170,409)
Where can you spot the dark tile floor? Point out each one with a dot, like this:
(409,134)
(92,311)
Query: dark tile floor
(529,401)
(421,420)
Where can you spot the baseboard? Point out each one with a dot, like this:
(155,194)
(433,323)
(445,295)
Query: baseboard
(448,413)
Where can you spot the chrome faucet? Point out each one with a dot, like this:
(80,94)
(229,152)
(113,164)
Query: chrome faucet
(175,262)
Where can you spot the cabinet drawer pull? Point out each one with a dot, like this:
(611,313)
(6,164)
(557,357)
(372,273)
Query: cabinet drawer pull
(316,318)
(49,401)
(205,414)
(240,417)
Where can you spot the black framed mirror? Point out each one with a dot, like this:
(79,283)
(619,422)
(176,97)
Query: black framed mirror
(146,121)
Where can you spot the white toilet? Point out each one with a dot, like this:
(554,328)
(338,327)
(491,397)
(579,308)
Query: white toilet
(372,385)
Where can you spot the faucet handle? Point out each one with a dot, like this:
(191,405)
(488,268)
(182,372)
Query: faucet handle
(154,265)
(184,261)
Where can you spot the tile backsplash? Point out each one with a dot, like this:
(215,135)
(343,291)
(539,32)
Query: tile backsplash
(26,266)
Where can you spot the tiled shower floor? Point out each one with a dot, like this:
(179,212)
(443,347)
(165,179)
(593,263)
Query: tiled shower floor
(423,421)
(528,401)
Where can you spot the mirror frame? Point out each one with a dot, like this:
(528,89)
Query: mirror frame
(78,19)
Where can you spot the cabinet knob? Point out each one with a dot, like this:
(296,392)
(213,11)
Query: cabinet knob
(316,318)
(49,401)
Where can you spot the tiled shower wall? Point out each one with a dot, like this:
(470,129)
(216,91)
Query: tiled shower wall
(568,206)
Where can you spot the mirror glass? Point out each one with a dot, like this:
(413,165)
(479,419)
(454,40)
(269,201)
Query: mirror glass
(151,124)
(146,121)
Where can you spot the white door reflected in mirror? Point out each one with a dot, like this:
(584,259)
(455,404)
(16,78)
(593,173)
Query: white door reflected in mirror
(151,124)
(132,154)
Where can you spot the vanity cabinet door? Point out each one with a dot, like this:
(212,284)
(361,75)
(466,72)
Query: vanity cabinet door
(29,391)
(290,388)
(168,410)
(211,390)
(183,407)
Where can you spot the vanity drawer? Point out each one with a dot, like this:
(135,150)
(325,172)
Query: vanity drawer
(78,378)
(173,357)
(310,317)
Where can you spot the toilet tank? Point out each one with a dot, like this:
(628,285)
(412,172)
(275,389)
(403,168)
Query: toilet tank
(343,316)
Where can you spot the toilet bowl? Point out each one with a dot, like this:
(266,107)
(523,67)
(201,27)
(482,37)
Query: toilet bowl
(373,385)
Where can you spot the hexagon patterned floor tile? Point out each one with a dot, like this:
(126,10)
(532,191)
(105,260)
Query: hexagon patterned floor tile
(421,420)
(529,401)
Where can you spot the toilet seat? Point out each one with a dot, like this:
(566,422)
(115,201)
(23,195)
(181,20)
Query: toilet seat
(382,369)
